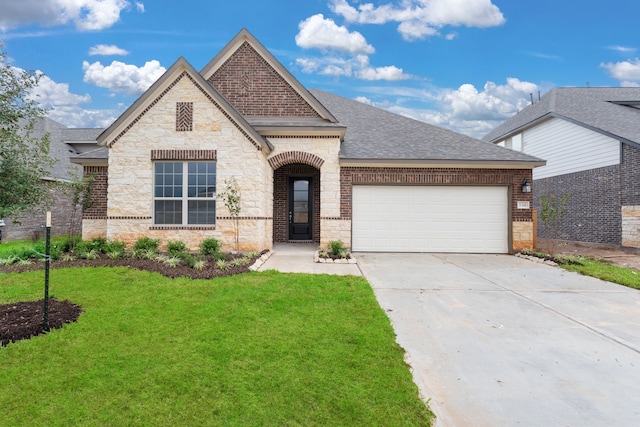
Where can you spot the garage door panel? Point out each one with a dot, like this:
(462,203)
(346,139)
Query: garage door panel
(430,219)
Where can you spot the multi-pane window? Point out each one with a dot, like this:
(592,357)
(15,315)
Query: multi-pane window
(184,193)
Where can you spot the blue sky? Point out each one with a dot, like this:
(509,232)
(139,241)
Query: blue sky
(466,65)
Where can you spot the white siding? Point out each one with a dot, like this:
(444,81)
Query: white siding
(569,148)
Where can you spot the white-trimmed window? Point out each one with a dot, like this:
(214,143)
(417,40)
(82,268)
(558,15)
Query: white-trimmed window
(184,193)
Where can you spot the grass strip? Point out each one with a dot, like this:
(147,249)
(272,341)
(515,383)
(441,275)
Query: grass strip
(605,271)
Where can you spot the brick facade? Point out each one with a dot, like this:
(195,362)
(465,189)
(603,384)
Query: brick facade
(254,88)
(99,193)
(31,225)
(281,200)
(630,175)
(593,208)
(437,176)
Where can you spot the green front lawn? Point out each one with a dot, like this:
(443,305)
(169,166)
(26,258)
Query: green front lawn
(253,349)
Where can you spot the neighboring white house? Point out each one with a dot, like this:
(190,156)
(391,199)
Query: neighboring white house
(590,138)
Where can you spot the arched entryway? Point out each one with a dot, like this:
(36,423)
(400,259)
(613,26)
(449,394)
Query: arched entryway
(296,204)
(296,197)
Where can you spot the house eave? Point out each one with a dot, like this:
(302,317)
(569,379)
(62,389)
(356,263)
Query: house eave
(442,163)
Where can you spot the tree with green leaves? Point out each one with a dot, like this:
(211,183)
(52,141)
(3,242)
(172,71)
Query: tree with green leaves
(231,199)
(24,156)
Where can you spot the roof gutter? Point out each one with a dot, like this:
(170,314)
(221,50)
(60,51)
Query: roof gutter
(445,163)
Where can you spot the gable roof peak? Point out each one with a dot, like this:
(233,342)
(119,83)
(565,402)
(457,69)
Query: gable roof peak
(236,45)
(179,69)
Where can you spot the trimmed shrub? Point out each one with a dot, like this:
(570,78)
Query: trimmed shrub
(210,246)
(177,248)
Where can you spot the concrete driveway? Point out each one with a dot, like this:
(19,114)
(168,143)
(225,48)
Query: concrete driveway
(495,340)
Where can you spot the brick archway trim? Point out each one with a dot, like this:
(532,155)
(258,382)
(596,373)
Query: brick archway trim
(291,157)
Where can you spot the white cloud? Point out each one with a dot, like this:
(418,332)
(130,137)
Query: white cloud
(50,94)
(323,34)
(419,19)
(628,72)
(391,73)
(140,7)
(85,14)
(319,33)
(103,49)
(623,49)
(494,102)
(69,108)
(466,109)
(121,77)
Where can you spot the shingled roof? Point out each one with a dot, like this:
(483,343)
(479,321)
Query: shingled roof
(377,135)
(612,111)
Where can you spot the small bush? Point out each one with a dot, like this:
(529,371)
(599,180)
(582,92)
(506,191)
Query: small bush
(98,244)
(336,249)
(210,246)
(221,264)
(68,257)
(336,246)
(177,248)
(81,248)
(219,256)
(195,261)
(199,264)
(8,260)
(145,244)
(55,250)
(172,262)
(115,245)
(239,262)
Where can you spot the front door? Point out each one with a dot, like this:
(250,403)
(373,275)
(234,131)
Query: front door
(300,209)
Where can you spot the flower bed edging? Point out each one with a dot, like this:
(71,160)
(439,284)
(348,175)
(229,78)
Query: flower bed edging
(317,258)
(260,261)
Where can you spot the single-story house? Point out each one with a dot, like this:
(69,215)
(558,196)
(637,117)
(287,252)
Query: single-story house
(310,166)
(590,138)
(64,143)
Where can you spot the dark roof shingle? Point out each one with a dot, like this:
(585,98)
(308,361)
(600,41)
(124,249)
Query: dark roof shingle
(376,134)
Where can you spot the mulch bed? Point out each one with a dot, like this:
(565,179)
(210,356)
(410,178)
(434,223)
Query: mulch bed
(23,320)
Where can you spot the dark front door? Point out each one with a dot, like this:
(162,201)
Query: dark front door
(300,211)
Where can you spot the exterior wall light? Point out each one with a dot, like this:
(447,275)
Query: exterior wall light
(526,186)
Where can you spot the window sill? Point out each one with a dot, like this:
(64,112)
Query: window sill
(182,227)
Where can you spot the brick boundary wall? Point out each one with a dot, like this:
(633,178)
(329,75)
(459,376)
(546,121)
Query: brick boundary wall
(350,176)
(281,200)
(593,208)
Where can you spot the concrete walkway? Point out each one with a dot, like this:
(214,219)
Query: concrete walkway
(298,258)
(495,340)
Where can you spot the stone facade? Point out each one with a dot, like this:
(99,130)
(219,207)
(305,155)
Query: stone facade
(130,181)
(631,226)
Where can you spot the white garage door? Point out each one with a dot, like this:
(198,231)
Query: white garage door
(430,219)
